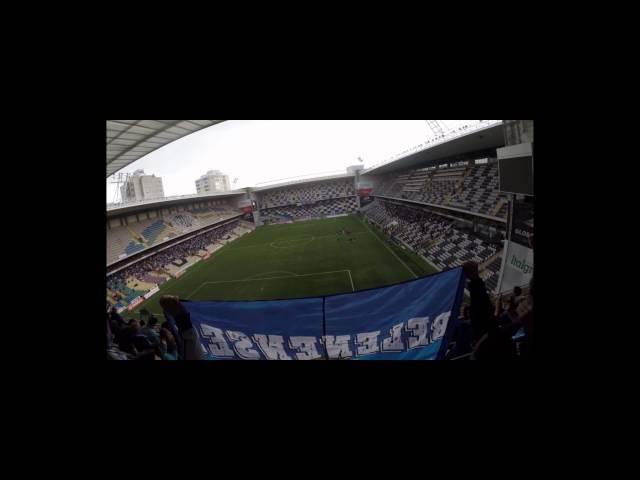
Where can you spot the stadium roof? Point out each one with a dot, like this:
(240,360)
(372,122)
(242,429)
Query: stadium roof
(299,181)
(130,140)
(480,138)
(122,208)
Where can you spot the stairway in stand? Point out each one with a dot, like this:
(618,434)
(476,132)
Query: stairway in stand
(498,206)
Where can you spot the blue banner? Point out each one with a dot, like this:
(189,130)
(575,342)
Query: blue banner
(408,321)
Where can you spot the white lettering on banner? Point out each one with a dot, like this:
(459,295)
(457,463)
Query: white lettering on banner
(523,233)
(337,346)
(272,346)
(217,344)
(421,332)
(243,346)
(305,348)
(367,343)
(440,326)
(394,342)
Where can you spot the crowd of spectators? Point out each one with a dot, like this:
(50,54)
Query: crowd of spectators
(148,339)
(157,262)
(335,206)
(486,330)
(498,330)
(416,227)
(139,339)
(308,193)
(444,241)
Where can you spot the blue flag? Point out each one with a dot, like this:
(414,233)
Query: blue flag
(408,321)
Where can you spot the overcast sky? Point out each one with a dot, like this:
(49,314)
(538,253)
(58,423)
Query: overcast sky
(255,151)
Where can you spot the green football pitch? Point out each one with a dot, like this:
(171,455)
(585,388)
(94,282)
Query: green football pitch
(295,260)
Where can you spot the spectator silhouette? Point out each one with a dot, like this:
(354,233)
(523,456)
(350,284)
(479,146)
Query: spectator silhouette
(491,342)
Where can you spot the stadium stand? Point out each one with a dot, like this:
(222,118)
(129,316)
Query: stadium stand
(480,193)
(136,237)
(491,273)
(137,279)
(413,226)
(133,247)
(473,188)
(436,238)
(155,279)
(153,231)
(457,248)
(305,194)
(321,208)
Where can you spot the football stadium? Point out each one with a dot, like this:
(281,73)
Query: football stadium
(427,255)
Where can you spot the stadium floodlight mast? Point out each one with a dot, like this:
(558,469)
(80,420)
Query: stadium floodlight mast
(438,128)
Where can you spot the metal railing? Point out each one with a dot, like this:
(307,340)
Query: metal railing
(458,132)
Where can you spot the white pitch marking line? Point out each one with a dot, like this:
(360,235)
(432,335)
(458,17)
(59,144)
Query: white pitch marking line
(267,273)
(234,247)
(350,278)
(274,278)
(194,292)
(394,253)
(273,244)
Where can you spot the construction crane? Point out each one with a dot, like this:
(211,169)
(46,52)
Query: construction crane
(119,179)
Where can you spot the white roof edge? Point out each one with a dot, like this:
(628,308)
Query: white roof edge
(427,146)
(300,182)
